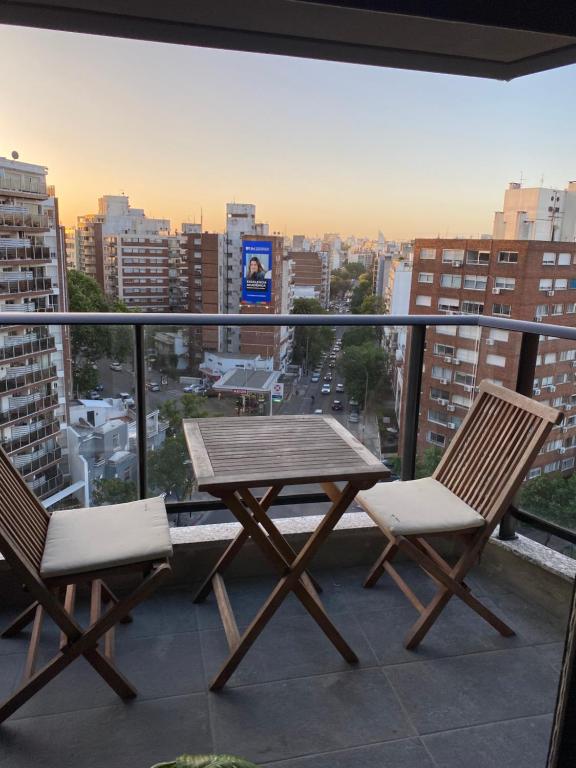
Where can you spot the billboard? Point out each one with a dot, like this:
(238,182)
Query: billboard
(256,271)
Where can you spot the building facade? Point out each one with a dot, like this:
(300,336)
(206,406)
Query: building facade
(34,359)
(520,279)
(311,275)
(537,213)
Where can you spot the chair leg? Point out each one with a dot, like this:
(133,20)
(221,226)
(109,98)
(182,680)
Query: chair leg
(378,568)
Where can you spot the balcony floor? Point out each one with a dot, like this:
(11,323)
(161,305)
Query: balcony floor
(467,697)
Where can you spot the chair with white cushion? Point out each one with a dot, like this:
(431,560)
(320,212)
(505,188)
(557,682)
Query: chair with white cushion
(52,554)
(465,499)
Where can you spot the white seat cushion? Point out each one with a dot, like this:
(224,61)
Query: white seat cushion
(417,507)
(94,538)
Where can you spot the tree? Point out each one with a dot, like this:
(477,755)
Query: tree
(85,377)
(187,407)
(552,497)
(372,305)
(355,337)
(360,292)
(169,468)
(309,341)
(362,368)
(113,491)
(426,463)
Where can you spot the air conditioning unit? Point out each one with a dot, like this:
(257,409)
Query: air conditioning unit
(489,342)
(568,407)
(550,293)
(451,408)
(444,381)
(561,451)
(496,291)
(536,392)
(457,263)
(551,388)
(443,402)
(564,429)
(451,425)
(455,361)
(448,359)
(573,363)
(538,319)
(468,388)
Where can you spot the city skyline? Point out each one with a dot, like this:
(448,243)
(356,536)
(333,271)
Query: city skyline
(316,146)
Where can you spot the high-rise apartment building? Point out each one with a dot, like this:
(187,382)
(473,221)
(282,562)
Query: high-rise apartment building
(537,213)
(34,359)
(311,275)
(520,279)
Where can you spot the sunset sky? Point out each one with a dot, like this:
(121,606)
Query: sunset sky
(317,146)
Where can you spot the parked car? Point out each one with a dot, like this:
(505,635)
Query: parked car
(315,378)
(354,417)
(115,366)
(318,412)
(337,405)
(326,389)
(328,377)
(339,387)
(95,395)
(99,388)
(153,386)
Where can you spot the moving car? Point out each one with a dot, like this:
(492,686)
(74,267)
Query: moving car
(328,377)
(354,417)
(127,399)
(95,395)
(315,378)
(115,366)
(326,389)
(339,387)
(337,405)
(153,386)
(318,412)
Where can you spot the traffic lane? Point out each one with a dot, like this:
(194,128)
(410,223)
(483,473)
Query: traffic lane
(115,382)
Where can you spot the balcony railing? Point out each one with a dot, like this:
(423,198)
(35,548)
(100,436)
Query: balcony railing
(29,285)
(34,377)
(20,412)
(37,461)
(35,435)
(33,187)
(46,344)
(23,221)
(29,253)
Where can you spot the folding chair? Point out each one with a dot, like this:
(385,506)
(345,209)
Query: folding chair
(464,499)
(53,554)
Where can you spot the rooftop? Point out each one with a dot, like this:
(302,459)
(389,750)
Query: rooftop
(467,697)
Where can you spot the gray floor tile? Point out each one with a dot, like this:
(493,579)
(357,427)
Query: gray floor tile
(300,717)
(248,595)
(290,646)
(511,744)
(11,669)
(530,620)
(166,612)
(443,694)
(133,735)
(166,665)
(552,653)
(458,630)
(407,753)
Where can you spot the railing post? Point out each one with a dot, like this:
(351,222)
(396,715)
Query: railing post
(140,368)
(524,386)
(412,402)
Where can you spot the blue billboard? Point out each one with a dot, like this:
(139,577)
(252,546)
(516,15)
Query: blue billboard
(256,271)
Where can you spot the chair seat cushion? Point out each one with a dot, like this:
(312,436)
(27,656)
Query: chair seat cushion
(418,507)
(95,538)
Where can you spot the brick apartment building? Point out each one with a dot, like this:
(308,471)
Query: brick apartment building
(520,279)
(311,275)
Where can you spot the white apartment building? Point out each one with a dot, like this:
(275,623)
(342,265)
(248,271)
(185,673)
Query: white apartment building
(537,213)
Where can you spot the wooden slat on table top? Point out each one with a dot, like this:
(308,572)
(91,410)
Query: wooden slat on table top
(235,452)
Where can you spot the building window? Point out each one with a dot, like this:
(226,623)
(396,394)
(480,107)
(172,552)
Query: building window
(451,281)
(541,310)
(472,307)
(436,439)
(423,301)
(469,332)
(508,257)
(502,309)
(497,360)
(545,284)
(571,308)
(572,283)
(467,355)
(505,283)
(549,358)
(557,309)
(426,277)
(564,259)
(448,305)
(567,463)
(427,253)
(463,402)
(560,284)
(479,258)
(552,467)
(497,335)
(443,349)
(567,354)
(452,256)
(447,330)
(439,394)
(466,379)
(475,282)
(534,472)
(548,259)
(442,374)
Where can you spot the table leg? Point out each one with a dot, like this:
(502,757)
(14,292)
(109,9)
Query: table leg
(291,581)
(234,547)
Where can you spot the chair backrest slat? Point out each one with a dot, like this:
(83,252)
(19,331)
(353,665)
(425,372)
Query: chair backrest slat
(494,448)
(23,520)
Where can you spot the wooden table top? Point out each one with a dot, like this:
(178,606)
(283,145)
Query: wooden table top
(266,450)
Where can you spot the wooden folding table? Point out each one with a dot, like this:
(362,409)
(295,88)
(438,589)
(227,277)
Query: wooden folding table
(233,456)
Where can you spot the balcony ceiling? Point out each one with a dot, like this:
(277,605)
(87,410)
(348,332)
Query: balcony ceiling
(493,40)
